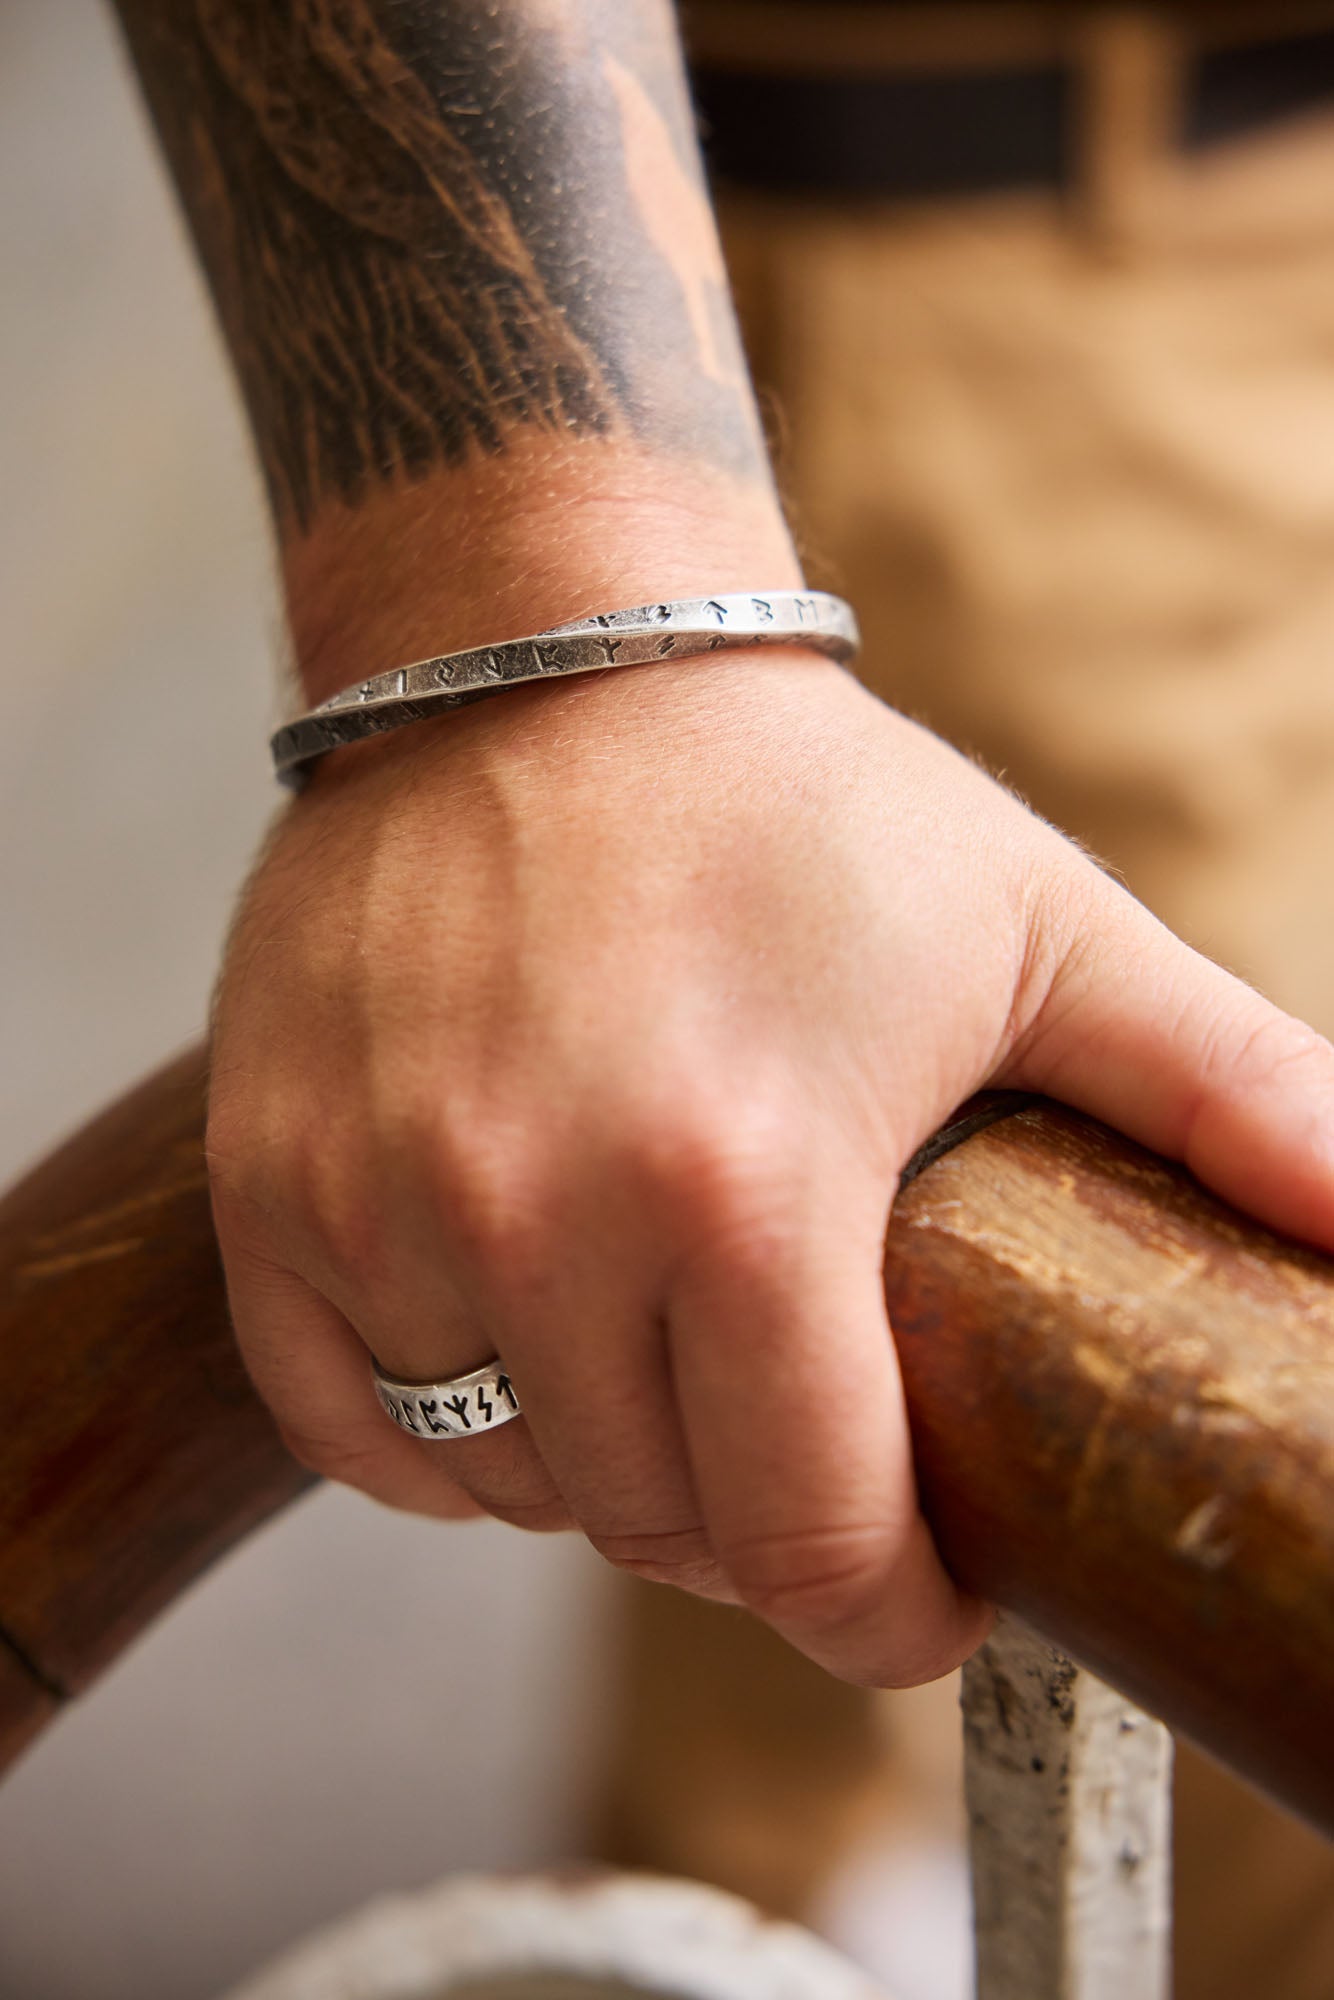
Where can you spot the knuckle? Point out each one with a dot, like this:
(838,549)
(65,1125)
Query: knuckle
(1248,1056)
(506,1476)
(816,1581)
(302,1178)
(487,1190)
(229,1159)
(680,1556)
(536,1517)
(1271,1043)
(929,1652)
(347,1461)
(721,1171)
(326,1194)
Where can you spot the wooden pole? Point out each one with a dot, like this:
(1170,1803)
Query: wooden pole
(1122,1397)
(134,1449)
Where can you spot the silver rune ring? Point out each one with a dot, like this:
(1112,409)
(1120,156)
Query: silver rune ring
(464,1406)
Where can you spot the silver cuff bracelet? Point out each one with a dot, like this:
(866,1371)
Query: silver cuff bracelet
(687,629)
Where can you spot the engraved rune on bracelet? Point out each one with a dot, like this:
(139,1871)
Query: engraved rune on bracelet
(642,635)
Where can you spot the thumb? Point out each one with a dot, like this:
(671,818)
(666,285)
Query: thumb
(1155,1039)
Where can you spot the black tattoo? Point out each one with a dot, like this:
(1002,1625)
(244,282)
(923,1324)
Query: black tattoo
(425,227)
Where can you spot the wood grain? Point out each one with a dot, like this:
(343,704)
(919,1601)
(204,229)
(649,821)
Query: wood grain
(135,1450)
(1122,1397)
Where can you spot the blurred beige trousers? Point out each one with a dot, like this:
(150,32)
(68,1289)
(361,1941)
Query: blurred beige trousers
(1073,461)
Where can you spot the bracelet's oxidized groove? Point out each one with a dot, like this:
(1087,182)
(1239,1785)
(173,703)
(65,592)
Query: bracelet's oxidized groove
(640,636)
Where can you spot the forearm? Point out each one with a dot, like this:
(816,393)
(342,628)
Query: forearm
(467,271)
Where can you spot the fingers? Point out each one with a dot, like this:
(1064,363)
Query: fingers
(420,1329)
(1166,1046)
(312,1370)
(560,1297)
(563,1289)
(761,1453)
(790,1394)
(585,1356)
(602,1407)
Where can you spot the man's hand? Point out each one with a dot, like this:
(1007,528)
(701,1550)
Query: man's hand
(592,1028)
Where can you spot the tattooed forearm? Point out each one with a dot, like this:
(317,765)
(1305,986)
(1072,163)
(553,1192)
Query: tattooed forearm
(429,224)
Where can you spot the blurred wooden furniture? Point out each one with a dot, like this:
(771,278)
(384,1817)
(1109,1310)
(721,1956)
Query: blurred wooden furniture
(1122,1396)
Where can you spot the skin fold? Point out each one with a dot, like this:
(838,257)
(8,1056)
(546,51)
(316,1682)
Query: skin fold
(591,1026)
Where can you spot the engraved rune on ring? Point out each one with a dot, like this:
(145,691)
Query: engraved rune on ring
(465,1405)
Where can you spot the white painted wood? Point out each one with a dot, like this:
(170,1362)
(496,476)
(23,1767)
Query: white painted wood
(1069,1806)
(598,1936)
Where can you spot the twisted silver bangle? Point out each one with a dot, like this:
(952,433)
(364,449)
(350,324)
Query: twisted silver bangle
(641,636)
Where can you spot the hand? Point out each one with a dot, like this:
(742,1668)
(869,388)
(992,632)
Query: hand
(592,1027)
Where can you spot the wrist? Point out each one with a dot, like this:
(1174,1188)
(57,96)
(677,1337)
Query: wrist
(576,742)
(488,554)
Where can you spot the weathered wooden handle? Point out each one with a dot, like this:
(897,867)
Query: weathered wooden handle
(135,1450)
(1122,1397)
